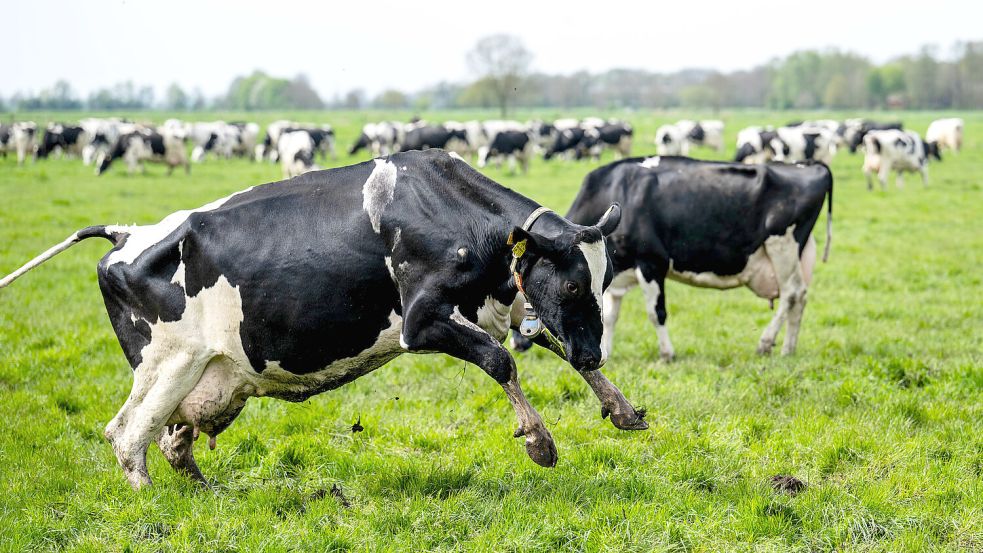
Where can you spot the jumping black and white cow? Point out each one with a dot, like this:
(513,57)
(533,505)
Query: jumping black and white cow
(946,133)
(712,225)
(145,144)
(898,151)
(215,305)
(511,144)
(854,131)
(422,137)
(66,139)
(296,150)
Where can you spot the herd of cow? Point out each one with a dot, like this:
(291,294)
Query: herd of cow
(887,146)
(297,145)
(293,288)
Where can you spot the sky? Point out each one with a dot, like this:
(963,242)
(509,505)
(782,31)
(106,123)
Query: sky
(408,45)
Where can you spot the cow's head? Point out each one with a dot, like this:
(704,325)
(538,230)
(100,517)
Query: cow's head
(563,278)
(932,150)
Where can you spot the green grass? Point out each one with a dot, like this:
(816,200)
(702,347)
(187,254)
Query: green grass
(880,411)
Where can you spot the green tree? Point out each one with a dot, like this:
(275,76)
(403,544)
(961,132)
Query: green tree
(502,61)
(175,98)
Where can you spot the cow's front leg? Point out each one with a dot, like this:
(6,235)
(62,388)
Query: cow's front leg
(613,403)
(445,329)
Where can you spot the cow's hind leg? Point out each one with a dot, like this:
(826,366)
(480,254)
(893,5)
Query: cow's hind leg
(653,284)
(613,297)
(783,251)
(159,385)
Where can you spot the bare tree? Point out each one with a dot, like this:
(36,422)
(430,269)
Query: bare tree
(502,62)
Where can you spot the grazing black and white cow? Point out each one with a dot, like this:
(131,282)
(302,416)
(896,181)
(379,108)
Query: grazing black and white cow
(294,288)
(425,136)
(268,148)
(6,133)
(708,133)
(24,139)
(103,134)
(614,134)
(853,133)
(566,142)
(946,133)
(511,144)
(803,143)
(381,139)
(146,144)
(540,132)
(757,145)
(899,151)
(712,225)
(67,139)
(296,150)
(671,141)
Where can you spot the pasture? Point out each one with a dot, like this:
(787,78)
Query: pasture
(880,412)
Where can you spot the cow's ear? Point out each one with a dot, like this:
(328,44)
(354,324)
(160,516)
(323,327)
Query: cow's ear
(609,221)
(526,243)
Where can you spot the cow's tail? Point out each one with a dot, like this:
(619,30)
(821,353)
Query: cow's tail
(829,219)
(113,233)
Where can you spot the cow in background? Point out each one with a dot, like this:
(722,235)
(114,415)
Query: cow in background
(899,151)
(946,133)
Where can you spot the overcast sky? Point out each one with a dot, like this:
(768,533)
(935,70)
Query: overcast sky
(407,45)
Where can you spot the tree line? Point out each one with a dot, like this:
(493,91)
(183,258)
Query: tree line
(809,79)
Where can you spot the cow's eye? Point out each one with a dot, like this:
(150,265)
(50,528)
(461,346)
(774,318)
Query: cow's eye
(572,288)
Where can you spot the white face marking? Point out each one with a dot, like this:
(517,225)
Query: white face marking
(597,262)
(143,237)
(378,191)
(651,163)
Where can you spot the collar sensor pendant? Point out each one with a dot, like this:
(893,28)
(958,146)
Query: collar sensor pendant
(531,326)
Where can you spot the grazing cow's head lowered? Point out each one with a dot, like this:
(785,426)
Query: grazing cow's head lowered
(563,278)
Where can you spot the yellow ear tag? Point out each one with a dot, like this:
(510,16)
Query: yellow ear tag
(519,248)
(509,242)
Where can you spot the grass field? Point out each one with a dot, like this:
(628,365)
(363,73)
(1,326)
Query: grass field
(880,412)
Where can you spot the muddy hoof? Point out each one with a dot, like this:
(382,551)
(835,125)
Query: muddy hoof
(541,449)
(629,421)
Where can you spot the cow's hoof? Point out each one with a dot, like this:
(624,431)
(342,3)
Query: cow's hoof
(629,421)
(540,448)
(764,348)
(667,357)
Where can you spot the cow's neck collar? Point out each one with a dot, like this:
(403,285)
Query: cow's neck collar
(519,247)
(518,250)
